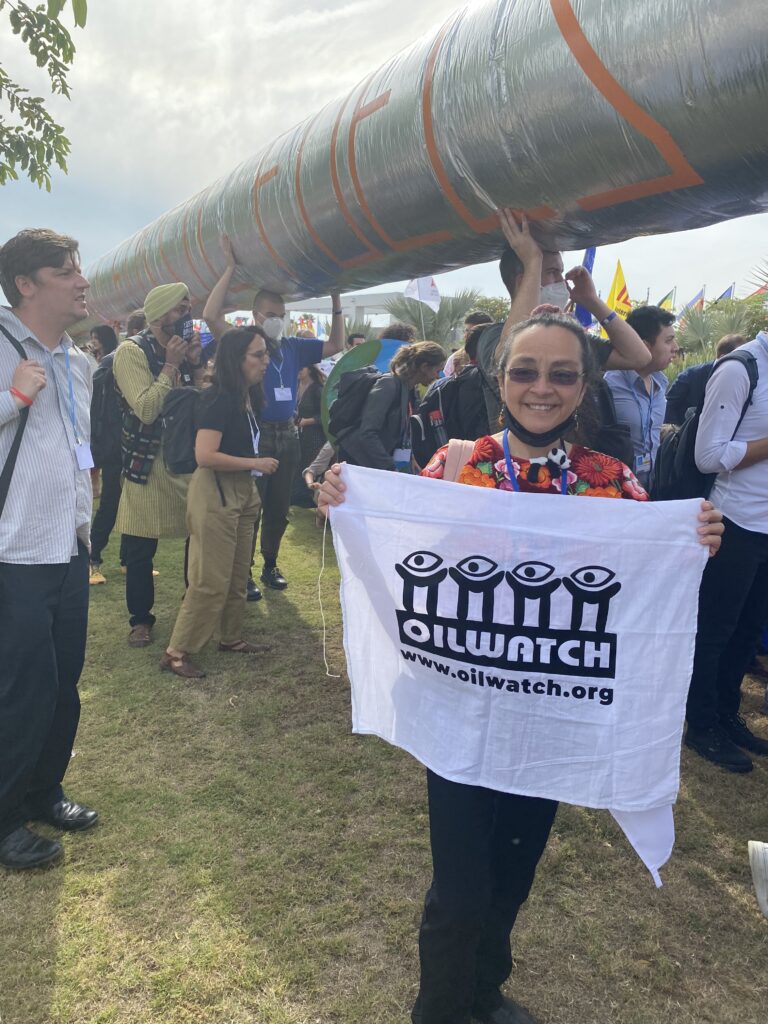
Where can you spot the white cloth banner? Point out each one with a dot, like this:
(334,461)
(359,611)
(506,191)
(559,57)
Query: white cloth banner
(533,644)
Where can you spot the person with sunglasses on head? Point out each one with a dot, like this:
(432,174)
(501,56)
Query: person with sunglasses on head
(486,844)
(223,503)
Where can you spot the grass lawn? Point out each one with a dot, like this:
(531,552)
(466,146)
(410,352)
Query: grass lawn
(257,863)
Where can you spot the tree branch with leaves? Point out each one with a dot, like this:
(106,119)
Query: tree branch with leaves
(33,142)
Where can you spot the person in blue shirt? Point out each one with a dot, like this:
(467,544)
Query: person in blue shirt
(640,395)
(279,436)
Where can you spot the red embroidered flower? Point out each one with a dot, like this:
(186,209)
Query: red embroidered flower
(603,492)
(487,450)
(597,469)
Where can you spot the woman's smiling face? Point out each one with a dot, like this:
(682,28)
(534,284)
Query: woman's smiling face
(551,355)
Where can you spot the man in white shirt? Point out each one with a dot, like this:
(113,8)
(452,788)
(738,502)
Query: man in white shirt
(45,385)
(733,600)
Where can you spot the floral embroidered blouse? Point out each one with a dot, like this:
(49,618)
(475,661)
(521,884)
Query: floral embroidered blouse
(589,473)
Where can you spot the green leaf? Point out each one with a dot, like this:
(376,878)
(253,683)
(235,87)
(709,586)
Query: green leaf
(80,8)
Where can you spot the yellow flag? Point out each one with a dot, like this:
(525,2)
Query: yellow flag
(618,296)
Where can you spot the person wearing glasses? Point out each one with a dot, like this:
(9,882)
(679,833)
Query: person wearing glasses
(223,503)
(486,844)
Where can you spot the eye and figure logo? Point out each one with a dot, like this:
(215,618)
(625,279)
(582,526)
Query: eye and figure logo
(455,610)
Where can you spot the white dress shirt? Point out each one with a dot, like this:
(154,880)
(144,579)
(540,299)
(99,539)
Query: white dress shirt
(49,500)
(740,494)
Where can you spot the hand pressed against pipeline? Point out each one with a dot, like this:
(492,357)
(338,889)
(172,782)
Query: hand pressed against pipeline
(516,231)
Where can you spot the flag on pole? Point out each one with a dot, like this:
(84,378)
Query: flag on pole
(320,329)
(424,289)
(697,302)
(584,317)
(762,290)
(728,293)
(667,302)
(618,297)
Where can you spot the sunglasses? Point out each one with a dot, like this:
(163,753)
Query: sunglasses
(529,374)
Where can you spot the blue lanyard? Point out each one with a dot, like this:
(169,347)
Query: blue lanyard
(72,413)
(510,471)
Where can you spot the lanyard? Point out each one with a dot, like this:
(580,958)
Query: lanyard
(70,385)
(513,479)
(255,432)
(278,366)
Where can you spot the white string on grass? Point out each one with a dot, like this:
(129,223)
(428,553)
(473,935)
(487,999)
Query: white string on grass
(328,673)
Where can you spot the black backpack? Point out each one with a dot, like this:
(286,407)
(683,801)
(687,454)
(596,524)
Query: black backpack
(347,408)
(180,430)
(106,415)
(675,473)
(453,407)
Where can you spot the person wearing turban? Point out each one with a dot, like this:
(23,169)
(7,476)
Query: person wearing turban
(153,501)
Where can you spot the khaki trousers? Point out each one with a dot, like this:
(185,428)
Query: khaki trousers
(222,509)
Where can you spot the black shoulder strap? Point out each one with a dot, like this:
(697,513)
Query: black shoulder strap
(10,462)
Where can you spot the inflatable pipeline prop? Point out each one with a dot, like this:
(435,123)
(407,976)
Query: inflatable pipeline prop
(602,119)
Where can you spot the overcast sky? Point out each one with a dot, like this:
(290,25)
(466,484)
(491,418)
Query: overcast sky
(167,96)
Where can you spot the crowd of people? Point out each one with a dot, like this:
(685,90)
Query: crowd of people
(213,444)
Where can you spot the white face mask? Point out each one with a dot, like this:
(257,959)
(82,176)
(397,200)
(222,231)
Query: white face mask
(273,328)
(555,294)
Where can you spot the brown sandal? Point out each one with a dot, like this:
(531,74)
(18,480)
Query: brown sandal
(180,665)
(244,647)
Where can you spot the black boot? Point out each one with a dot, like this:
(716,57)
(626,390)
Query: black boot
(715,745)
(737,730)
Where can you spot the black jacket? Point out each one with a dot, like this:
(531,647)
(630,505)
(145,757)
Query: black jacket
(686,392)
(384,425)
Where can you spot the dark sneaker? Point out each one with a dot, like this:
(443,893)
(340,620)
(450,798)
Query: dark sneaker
(252,592)
(274,578)
(716,746)
(509,1012)
(737,730)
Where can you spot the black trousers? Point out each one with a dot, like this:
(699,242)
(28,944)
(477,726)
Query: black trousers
(43,627)
(106,514)
(733,608)
(138,553)
(278,441)
(485,848)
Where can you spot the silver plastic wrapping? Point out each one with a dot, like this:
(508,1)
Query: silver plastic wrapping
(603,119)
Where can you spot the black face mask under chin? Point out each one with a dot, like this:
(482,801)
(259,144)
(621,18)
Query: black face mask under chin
(538,440)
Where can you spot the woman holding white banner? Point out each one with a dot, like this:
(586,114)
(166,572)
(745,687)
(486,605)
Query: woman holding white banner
(486,844)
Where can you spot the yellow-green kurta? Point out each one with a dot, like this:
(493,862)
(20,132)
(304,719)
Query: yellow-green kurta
(159,507)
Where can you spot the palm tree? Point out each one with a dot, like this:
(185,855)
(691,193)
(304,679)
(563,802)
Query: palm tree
(431,326)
